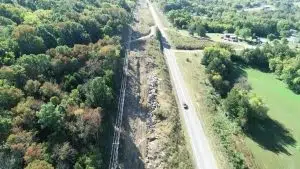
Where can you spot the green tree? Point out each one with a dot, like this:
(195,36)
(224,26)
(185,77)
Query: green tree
(243,107)
(200,30)
(217,60)
(84,162)
(28,41)
(219,68)
(256,57)
(49,35)
(271,37)
(244,32)
(283,27)
(73,33)
(15,75)
(92,27)
(98,93)
(5,124)
(51,116)
(35,65)
(237,106)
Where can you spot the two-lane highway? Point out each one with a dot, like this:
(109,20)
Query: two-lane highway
(203,156)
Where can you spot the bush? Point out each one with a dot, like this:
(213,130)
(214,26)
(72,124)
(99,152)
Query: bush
(256,58)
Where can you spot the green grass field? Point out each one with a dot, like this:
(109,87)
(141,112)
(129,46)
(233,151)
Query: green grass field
(275,143)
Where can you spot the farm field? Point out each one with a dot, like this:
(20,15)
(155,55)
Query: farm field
(274,142)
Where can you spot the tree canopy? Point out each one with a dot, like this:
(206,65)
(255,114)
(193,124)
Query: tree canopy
(59,74)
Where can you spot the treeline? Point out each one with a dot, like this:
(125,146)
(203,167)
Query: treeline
(222,65)
(276,57)
(229,16)
(59,71)
(240,104)
(234,98)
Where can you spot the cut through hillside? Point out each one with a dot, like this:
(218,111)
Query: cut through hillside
(152,137)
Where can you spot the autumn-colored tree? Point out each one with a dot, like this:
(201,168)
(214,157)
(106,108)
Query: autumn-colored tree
(39,164)
(25,113)
(28,41)
(50,89)
(20,140)
(9,95)
(64,154)
(32,87)
(35,152)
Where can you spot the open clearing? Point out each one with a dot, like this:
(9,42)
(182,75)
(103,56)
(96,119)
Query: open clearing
(216,37)
(274,143)
(187,42)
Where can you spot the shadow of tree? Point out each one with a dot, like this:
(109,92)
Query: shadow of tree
(165,43)
(138,46)
(130,154)
(270,135)
(237,73)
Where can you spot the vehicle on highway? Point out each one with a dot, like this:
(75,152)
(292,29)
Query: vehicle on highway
(185,106)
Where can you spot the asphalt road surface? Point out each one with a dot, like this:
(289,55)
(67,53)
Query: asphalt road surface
(202,154)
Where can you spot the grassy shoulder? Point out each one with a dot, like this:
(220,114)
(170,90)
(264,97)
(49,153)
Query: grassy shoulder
(225,138)
(167,115)
(274,143)
(187,42)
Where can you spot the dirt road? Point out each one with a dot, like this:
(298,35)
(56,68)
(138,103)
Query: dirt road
(203,156)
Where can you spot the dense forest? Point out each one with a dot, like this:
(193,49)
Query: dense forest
(59,75)
(234,16)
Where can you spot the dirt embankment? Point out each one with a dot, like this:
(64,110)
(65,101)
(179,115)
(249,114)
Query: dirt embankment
(152,137)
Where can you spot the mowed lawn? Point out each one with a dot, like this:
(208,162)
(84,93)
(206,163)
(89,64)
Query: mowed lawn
(275,143)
